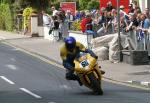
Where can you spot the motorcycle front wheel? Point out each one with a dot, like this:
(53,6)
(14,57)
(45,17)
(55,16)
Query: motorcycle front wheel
(95,84)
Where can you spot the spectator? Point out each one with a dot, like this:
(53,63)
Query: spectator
(62,26)
(131,9)
(137,11)
(54,10)
(96,16)
(55,27)
(114,20)
(69,18)
(145,22)
(108,23)
(138,18)
(86,23)
(135,5)
(77,15)
(102,18)
(122,10)
(133,22)
(142,30)
(55,22)
(109,6)
(102,23)
(147,13)
(46,19)
(82,14)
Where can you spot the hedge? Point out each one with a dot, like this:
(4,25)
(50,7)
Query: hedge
(6,20)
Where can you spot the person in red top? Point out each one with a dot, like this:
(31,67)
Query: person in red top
(86,23)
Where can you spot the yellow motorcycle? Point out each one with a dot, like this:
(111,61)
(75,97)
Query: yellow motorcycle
(86,67)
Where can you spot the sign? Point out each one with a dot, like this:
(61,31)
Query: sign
(68,6)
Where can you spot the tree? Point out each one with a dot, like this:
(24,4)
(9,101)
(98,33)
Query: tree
(93,5)
(88,4)
(83,4)
(37,4)
(8,1)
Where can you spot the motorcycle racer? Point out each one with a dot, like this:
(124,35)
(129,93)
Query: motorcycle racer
(68,52)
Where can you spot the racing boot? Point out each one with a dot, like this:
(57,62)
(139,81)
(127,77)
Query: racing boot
(79,81)
(71,76)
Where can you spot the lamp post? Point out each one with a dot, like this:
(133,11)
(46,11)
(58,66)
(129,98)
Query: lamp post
(119,38)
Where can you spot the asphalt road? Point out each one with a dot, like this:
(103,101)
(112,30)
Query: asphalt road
(27,79)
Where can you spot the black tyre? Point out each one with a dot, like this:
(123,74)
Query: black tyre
(95,84)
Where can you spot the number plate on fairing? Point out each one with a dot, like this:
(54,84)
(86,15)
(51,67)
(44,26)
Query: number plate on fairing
(84,64)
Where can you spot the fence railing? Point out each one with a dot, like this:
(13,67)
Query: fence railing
(139,40)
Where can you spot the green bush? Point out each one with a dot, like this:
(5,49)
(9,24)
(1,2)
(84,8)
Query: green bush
(2,27)
(8,18)
(6,21)
(1,18)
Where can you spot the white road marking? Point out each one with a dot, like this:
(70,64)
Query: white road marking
(10,66)
(30,93)
(51,102)
(7,80)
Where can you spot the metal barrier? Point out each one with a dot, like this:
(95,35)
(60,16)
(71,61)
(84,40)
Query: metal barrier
(90,34)
(139,40)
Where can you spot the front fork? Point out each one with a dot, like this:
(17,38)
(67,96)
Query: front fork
(96,72)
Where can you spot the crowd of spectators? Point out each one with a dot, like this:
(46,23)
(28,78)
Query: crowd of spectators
(106,19)
(103,21)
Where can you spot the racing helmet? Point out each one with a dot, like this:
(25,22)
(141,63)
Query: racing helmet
(70,43)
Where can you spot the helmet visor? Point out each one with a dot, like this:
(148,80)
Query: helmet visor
(70,46)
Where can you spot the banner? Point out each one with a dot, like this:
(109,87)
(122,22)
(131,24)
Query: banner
(68,6)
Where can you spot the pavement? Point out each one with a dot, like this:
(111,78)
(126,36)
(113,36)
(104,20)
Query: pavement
(120,72)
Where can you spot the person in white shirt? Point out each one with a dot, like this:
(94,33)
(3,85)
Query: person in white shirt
(54,10)
(46,19)
(122,10)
